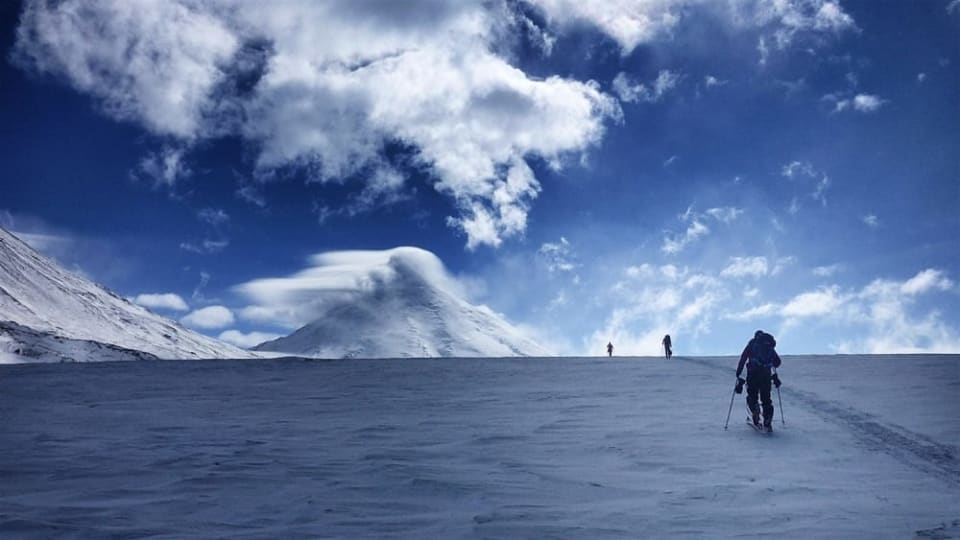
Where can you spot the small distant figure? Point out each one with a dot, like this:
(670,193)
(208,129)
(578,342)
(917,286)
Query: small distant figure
(760,357)
(667,350)
(609,349)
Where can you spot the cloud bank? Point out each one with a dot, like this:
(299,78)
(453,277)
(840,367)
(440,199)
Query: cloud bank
(881,316)
(326,87)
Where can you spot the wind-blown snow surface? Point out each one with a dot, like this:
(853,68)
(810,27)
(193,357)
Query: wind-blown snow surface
(480,448)
(403,304)
(56,304)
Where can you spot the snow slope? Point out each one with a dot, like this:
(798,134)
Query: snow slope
(19,344)
(56,304)
(404,307)
(572,448)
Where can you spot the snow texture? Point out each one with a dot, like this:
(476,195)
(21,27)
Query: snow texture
(57,305)
(407,307)
(478,448)
(19,344)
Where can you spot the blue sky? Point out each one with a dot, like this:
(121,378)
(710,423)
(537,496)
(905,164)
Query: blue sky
(596,171)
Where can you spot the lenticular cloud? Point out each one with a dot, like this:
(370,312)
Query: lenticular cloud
(324,86)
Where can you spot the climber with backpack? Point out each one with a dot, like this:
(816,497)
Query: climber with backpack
(760,357)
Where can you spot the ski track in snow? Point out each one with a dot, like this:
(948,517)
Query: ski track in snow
(908,447)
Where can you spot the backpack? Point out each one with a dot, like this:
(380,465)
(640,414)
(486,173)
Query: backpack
(762,350)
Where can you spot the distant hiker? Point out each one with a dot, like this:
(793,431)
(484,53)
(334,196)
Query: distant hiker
(609,349)
(666,346)
(760,356)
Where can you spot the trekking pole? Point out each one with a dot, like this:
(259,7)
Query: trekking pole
(780,399)
(729,410)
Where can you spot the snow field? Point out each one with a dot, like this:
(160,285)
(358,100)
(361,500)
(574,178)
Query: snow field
(491,448)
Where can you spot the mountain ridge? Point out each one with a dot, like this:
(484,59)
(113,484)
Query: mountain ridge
(54,304)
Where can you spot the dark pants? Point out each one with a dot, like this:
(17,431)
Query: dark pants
(758,386)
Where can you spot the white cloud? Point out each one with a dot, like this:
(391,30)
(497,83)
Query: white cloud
(892,324)
(288,315)
(881,317)
(925,281)
(253,195)
(295,300)
(213,216)
(631,91)
(153,62)
(797,169)
(953,6)
(657,301)
(246,340)
(711,81)
(786,19)
(826,271)
(169,301)
(830,16)
(746,267)
(763,50)
(757,312)
(325,86)
(164,168)
(209,317)
(726,214)
(814,304)
(871,221)
(628,22)
(852,80)
(558,255)
(675,244)
(49,244)
(669,161)
(804,171)
(631,22)
(923,76)
(781,264)
(644,270)
(867,102)
(794,208)
(696,227)
(864,103)
(819,192)
(206,247)
(198,290)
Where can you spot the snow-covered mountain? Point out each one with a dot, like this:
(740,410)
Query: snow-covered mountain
(393,303)
(58,314)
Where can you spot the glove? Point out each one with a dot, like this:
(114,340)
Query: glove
(776,380)
(739,387)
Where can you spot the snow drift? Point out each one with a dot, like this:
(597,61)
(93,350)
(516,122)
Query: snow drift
(61,316)
(384,304)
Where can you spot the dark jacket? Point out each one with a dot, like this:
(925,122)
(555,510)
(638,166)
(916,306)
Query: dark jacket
(748,353)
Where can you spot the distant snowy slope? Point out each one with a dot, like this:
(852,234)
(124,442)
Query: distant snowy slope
(37,294)
(393,303)
(19,344)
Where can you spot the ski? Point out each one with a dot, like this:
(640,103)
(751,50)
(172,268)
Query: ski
(757,428)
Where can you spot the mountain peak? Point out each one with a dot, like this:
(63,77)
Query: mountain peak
(399,302)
